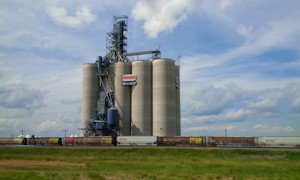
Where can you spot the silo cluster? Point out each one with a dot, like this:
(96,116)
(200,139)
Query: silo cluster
(148,107)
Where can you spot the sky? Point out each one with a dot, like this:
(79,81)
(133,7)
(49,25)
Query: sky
(240,61)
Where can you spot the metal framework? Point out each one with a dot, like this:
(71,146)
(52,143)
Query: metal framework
(116,40)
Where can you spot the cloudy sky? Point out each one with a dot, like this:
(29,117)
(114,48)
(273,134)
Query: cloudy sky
(240,61)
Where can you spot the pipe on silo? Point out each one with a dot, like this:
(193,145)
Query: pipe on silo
(177,99)
(110,77)
(164,101)
(90,93)
(123,97)
(141,107)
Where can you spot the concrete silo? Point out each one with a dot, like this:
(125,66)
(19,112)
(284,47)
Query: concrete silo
(90,93)
(177,99)
(141,107)
(164,99)
(122,97)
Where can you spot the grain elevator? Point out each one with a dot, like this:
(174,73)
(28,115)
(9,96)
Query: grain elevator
(130,98)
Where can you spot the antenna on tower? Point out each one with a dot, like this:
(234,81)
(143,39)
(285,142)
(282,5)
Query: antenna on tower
(178,60)
(22,131)
(225,132)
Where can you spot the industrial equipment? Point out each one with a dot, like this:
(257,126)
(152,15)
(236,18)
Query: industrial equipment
(125,97)
(106,100)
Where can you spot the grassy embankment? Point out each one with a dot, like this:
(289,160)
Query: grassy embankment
(147,163)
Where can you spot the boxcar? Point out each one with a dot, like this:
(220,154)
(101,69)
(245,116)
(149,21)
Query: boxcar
(94,141)
(137,140)
(224,141)
(48,141)
(289,142)
(180,141)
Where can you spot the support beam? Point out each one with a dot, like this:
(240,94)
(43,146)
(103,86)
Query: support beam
(156,52)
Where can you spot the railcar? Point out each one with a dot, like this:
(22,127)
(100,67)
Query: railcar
(136,141)
(94,141)
(48,141)
(70,141)
(180,141)
(277,142)
(224,141)
(13,141)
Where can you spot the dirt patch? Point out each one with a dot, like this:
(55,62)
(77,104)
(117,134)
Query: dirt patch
(37,163)
(90,158)
(269,157)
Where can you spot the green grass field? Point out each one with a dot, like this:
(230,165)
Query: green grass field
(147,163)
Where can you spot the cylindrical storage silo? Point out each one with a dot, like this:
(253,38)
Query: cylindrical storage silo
(90,93)
(177,99)
(164,101)
(122,95)
(141,99)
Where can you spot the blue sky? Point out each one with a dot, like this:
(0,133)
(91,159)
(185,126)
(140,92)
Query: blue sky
(240,61)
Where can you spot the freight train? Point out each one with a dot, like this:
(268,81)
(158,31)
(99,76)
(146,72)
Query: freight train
(199,141)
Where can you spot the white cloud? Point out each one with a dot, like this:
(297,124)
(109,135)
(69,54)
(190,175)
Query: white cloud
(260,126)
(226,3)
(270,103)
(70,118)
(229,103)
(279,34)
(17,113)
(295,106)
(211,128)
(15,94)
(3,69)
(274,129)
(10,126)
(212,100)
(245,30)
(162,15)
(71,101)
(10,38)
(294,65)
(265,39)
(263,32)
(47,125)
(21,97)
(230,116)
(60,16)
(53,79)
(24,106)
(30,32)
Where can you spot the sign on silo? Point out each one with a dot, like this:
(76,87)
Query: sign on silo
(129,79)
(177,82)
(129,83)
